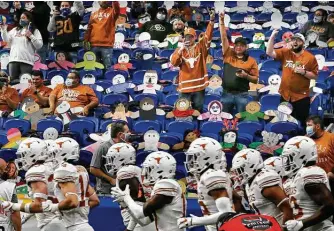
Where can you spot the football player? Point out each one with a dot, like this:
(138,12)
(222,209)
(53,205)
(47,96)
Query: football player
(308,188)
(274,163)
(167,202)
(120,161)
(263,186)
(207,162)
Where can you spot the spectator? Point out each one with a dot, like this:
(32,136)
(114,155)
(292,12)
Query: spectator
(191,58)
(76,94)
(23,40)
(66,25)
(100,34)
(198,23)
(239,70)
(330,18)
(9,98)
(299,67)
(178,26)
(158,28)
(320,26)
(324,140)
(18,10)
(37,90)
(104,181)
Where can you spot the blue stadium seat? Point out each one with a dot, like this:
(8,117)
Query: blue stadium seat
(257,54)
(180,172)
(23,125)
(248,34)
(322,76)
(81,53)
(316,107)
(216,34)
(141,157)
(85,18)
(264,76)
(43,124)
(104,124)
(171,99)
(318,51)
(245,139)
(82,128)
(271,65)
(53,73)
(169,75)
(180,158)
(218,53)
(238,17)
(97,73)
(169,139)
(94,120)
(85,158)
(263,17)
(208,98)
(138,77)
(139,97)
(166,53)
(105,84)
(118,52)
(290,17)
(286,128)
(110,99)
(211,127)
(330,54)
(8,154)
(143,125)
(110,74)
(249,127)
(211,135)
(179,126)
(3,138)
(270,102)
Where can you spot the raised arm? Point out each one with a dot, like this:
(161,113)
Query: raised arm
(116,12)
(270,46)
(223,35)
(79,7)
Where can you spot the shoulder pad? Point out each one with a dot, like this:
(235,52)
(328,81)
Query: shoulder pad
(313,175)
(214,179)
(36,173)
(167,187)
(268,178)
(81,169)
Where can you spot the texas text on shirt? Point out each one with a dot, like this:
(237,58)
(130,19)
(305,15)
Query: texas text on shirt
(193,75)
(325,147)
(295,86)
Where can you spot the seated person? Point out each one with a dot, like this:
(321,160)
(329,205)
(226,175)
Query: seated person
(76,94)
(37,90)
(9,97)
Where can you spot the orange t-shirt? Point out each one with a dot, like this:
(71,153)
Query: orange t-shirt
(295,86)
(13,95)
(43,91)
(325,147)
(79,96)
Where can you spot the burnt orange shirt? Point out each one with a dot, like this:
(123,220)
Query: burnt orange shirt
(295,86)
(13,95)
(325,147)
(43,91)
(79,96)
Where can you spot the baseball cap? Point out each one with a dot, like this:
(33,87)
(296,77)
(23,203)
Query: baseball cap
(240,40)
(299,36)
(190,31)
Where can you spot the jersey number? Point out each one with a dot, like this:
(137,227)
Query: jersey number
(64,27)
(297,211)
(205,210)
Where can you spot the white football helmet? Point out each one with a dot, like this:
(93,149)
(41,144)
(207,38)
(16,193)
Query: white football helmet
(67,149)
(245,164)
(297,151)
(158,165)
(202,153)
(66,173)
(119,155)
(30,151)
(274,163)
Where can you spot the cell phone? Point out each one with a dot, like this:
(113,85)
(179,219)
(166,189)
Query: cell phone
(239,71)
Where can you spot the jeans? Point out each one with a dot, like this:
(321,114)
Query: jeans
(104,54)
(196,98)
(43,52)
(17,68)
(239,100)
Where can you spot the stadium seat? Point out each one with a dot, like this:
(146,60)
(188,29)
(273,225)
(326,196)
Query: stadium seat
(138,77)
(208,98)
(82,128)
(53,73)
(169,139)
(179,126)
(316,107)
(290,17)
(85,158)
(139,97)
(270,102)
(166,53)
(218,53)
(257,54)
(118,52)
(23,125)
(263,17)
(105,84)
(318,51)
(94,120)
(238,17)
(142,126)
(97,73)
(3,138)
(8,154)
(171,99)
(141,155)
(111,99)
(110,74)
(322,76)
(169,75)
(104,124)
(288,129)
(271,65)
(211,127)
(264,76)
(249,127)
(180,157)
(43,124)
(244,138)
(180,172)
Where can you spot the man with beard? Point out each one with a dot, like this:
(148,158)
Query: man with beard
(298,68)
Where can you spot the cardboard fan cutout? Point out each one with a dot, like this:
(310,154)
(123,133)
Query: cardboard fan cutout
(119,85)
(227,22)
(99,138)
(267,8)
(119,41)
(150,83)
(61,63)
(25,81)
(151,142)
(271,143)
(38,65)
(322,64)
(220,7)
(249,24)
(215,112)
(234,36)
(123,62)
(55,80)
(274,82)
(258,41)
(142,19)
(5,8)
(242,7)
(14,138)
(33,112)
(182,111)
(312,40)
(144,41)
(171,42)
(296,7)
(252,112)
(276,22)
(147,110)
(89,79)
(215,86)
(4,59)
(50,134)
(89,62)
(323,5)
(188,137)
(301,18)
(283,113)
(121,23)
(124,7)
(229,134)
(66,114)
(286,40)
(118,113)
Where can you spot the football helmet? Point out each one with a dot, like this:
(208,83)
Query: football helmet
(202,153)
(274,163)
(119,155)
(66,173)
(30,151)
(245,164)
(67,149)
(297,151)
(158,165)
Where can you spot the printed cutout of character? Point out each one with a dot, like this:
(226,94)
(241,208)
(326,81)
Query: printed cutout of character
(252,112)
(215,112)
(182,111)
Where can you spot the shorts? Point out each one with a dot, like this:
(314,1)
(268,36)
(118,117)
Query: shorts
(81,227)
(55,224)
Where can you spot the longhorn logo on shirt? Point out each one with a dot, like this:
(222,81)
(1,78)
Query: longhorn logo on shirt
(191,61)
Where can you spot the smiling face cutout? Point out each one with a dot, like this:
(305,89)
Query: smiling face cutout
(253,107)
(274,80)
(215,107)
(182,104)
(150,77)
(118,79)
(230,137)
(50,134)
(215,81)
(146,104)
(123,58)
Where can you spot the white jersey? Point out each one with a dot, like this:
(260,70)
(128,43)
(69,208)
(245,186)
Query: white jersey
(43,173)
(210,180)
(265,178)
(79,215)
(301,203)
(167,216)
(7,190)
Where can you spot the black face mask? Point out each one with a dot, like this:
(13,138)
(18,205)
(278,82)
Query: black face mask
(298,49)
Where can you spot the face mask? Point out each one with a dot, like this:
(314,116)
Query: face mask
(161,16)
(65,12)
(310,131)
(69,82)
(125,137)
(24,23)
(317,19)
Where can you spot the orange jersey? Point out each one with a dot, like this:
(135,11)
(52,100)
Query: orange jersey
(325,147)
(43,91)
(13,95)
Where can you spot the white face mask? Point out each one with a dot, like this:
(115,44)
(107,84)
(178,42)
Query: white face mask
(69,82)
(161,16)
(310,131)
